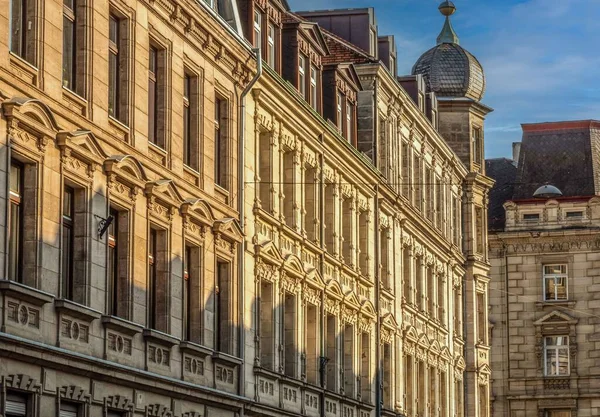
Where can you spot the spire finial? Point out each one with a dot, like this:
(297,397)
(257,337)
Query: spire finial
(447,35)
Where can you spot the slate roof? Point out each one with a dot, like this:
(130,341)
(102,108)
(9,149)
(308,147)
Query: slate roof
(504,172)
(451,71)
(558,153)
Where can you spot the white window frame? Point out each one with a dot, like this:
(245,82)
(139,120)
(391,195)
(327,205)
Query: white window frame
(302,75)
(348,121)
(257,29)
(313,86)
(271,44)
(554,276)
(554,350)
(340,99)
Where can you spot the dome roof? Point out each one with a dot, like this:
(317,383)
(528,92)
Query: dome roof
(449,69)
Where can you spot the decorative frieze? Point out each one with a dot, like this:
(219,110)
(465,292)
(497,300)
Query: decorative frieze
(159,356)
(119,344)
(72,329)
(224,374)
(194,366)
(23,315)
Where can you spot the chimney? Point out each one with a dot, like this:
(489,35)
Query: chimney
(516,151)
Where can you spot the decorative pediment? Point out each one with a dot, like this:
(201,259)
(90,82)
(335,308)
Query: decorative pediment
(388,320)
(118,402)
(293,265)
(435,347)
(313,32)
(333,289)
(126,167)
(82,143)
(31,113)
(424,341)
(165,190)
(73,393)
(556,317)
(484,369)
(229,228)
(198,209)
(351,300)
(411,334)
(459,363)
(367,309)
(269,252)
(314,279)
(445,354)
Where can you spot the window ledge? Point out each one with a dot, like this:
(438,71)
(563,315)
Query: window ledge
(77,310)
(192,347)
(226,359)
(566,304)
(23,64)
(121,325)
(74,97)
(25,293)
(160,337)
(259,370)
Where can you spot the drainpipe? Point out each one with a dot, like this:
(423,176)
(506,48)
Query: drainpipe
(7,229)
(241,204)
(322,360)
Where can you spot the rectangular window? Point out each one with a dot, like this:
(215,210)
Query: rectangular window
(479,231)
(313,87)
(406,179)
(348,356)
(384,242)
(290,352)
(15,231)
(387,376)
(158,279)
(187,294)
(110,413)
(223,320)
(302,75)
(477,148)
(311,326)
(69,43)
(363,242)
(531,217)
(431,292)
(555,282)
(409,384)
(339,103)
(267,326)
(484,405)
(68,410)
(21,28)
(117,68)
(365,367)
(16,405)
(458,396)
(349,124)
(330,229)
(556,356)
(257,29)
(575,215)
(221,139)
(558,413)
(481,319)
(153,95)
(311,202)
(347,229)
(289,187)
(271,52)
(332,354)
(68,226)
(406,275)
(264,171)
(191,114)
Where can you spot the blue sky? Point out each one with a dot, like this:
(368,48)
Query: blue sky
(541,57)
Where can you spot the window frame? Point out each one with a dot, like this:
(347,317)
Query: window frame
(257,23)
(25,396)
(555,349)
(302,59)
(68,242)
(153,92)
(222,171)
(271,48)
(16,203)
(70,15)
(314,92)
(555,277)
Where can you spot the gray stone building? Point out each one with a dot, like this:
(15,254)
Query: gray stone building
(545,276)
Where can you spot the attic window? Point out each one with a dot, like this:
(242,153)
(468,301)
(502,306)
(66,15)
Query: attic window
(531,217)
(575,215)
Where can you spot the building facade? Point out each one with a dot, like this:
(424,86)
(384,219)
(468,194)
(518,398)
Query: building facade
(189,232)
(544,276)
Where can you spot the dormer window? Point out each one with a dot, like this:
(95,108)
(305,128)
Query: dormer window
(345,116)
(271,45)
(531,217)
(313,87)
(257,29)
(302,75)
(349,121)
(340,99)
(574,215)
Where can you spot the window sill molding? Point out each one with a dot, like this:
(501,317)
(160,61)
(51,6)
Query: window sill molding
(121,325)
(161,338)
(259,370)
(226,359)
(75,99)
(25,293)
(77,310)
(191,347)
(553,304)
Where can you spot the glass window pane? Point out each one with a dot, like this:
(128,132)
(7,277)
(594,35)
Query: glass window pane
(68,50)
(113,30)
(17,26)
(113,93)
(14,242)
(15,179)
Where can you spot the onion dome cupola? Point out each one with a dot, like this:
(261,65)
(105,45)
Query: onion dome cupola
(449,69)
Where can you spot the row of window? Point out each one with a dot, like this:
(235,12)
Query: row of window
(120,247)
(20,404)
(74,55)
